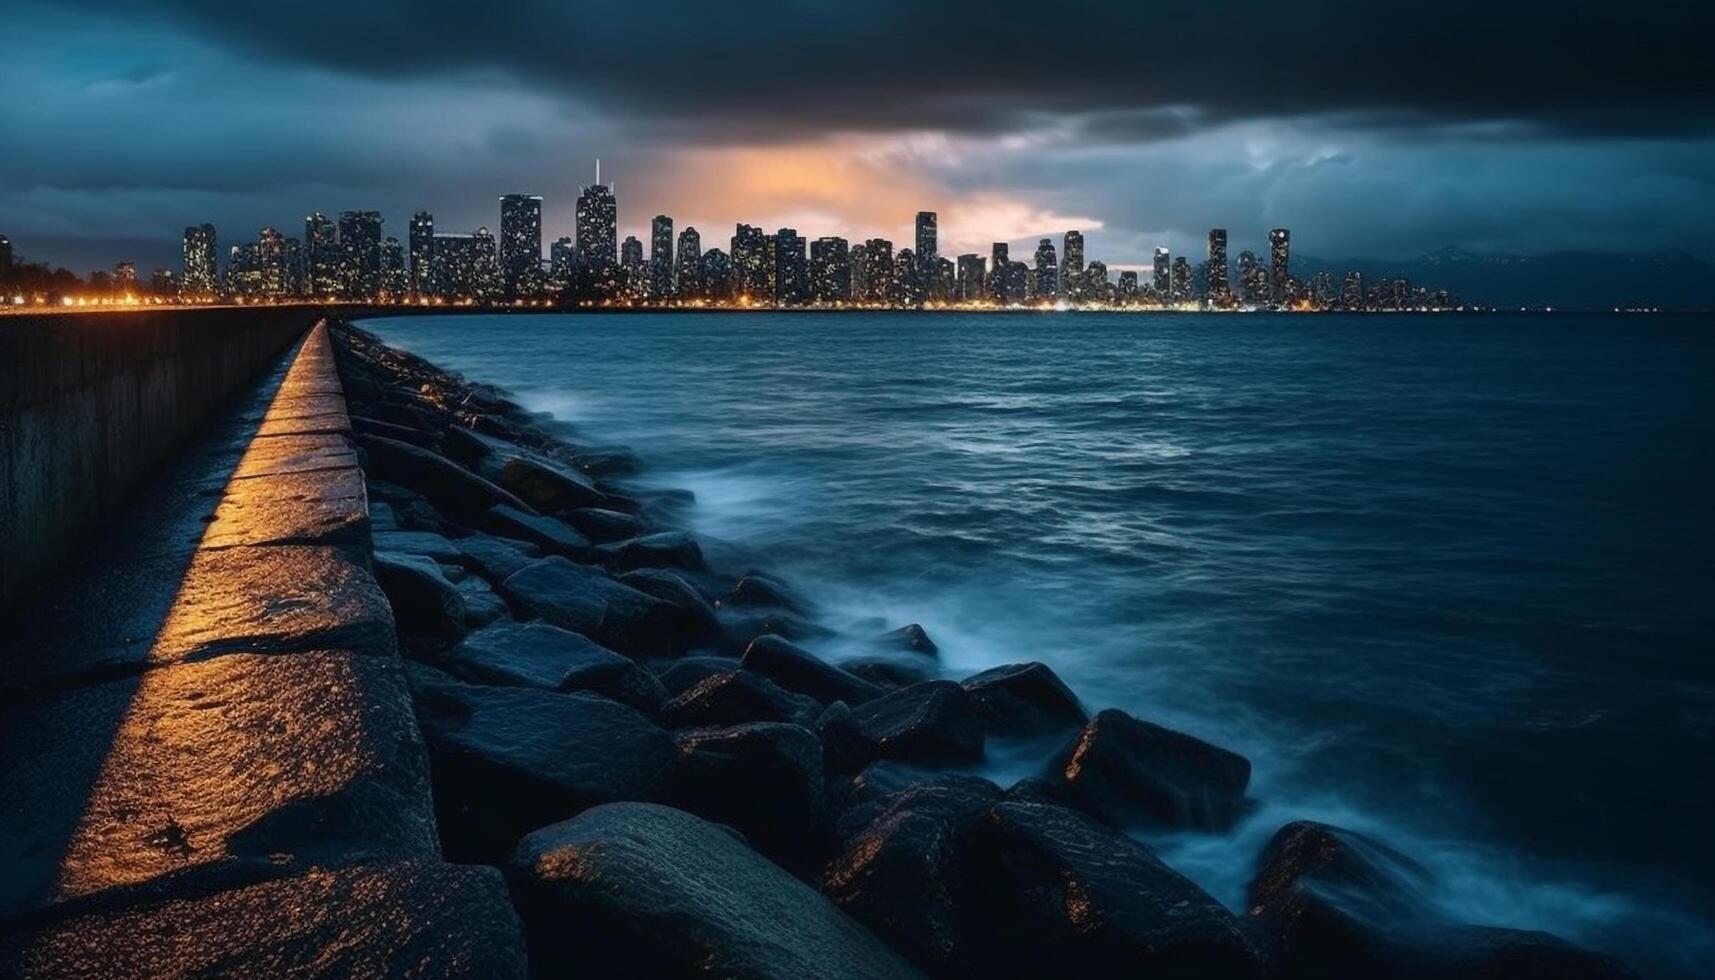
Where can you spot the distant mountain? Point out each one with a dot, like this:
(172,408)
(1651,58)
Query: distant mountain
(1565,280)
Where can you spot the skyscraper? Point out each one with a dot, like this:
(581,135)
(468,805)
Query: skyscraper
(830,270)
(1220,287)
(422,253)
(1279,261)
(1162,288)
(394,280)
(1181,279)
(1072,266)
(199,275)
(750,271)
(360,253)
(926,238)
(1047,271)
(972,273)
(321,255)
(688,264)
(271,262)
(520,240)
(998,271)
(1253,281)
(598,226)
(716,276)
(791,276)
(661,257)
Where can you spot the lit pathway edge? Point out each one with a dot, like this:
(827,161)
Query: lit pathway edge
(207,750)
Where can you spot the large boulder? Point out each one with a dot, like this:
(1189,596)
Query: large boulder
(890,672)
(495,558)
(663,549)
(1025,699)
(404,919)
(797,669)
(600,524)
(1128,771)
(1064,895)
(544,483)
(740,627)
(735,697)
(762,778)
(585,600)
(509,653)
(679,676)
(931,720)
(424,602)
(545,532)
(508,759)
(1339,903)
(449,486)
(760,590)
(696,616)
(636,890)
(901,870)
(910,637)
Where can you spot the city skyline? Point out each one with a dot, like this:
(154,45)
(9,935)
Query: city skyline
(1589,131)
(353,259)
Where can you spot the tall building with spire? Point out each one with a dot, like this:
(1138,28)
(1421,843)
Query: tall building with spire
(598,224)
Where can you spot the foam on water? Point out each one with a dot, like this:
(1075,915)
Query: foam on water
(1439,579)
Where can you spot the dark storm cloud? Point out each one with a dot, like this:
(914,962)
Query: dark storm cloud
(737,70)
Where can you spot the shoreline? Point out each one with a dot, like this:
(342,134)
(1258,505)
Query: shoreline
(829,770)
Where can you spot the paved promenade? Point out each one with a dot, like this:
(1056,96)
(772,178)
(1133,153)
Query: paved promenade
(208,760)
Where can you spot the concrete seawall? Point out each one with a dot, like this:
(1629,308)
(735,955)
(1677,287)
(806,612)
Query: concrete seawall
(90,403)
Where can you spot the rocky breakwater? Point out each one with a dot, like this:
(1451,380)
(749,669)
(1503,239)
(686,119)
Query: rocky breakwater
(676,783)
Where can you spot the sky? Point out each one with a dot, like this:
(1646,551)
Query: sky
(1372,130)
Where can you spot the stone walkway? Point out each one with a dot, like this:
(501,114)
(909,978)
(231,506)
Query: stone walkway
(208,760)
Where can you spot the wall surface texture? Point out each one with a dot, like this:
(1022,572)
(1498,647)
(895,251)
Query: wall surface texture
(91,402)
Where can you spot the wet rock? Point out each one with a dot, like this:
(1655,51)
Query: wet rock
(878,779)
(902,872)
(392,430)
(545,532)
(647,891)
(1339,903)
(888,673)
(698,617)
(426,543)
(797,669)
(424,602)
(538,655)
(931,720)
(686,672)
(369,920)
(606,462)
(382,517)
(411,512)
(664,549)
(482,605)
(1064,895)
(764,779)
(509,759)
(736,697)
(450,487)
(599,524)
(740,628)
(957,797)
(844,745)
(584,600)
(1129,771)
(911,637)
(1024,699)
(760,590)
(496,559)
(545,484)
